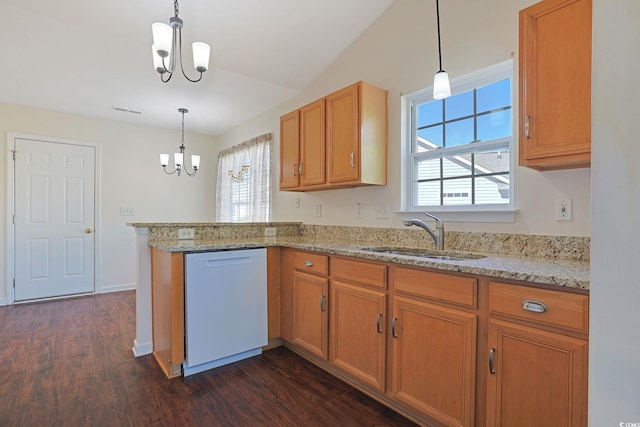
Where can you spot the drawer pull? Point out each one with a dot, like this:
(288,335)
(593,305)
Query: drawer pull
(308,263)
(527,131)
(378,325)
(534,306)
(492,371)
(322,303)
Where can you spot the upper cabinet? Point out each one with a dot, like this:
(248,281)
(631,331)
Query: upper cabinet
(555,85)
(337,141)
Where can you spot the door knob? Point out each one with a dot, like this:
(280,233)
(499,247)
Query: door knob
(88,230)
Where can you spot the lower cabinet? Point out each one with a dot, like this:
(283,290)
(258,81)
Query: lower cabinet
(310,321)
(536,378)
(433,360)
(440,348)
(358,332)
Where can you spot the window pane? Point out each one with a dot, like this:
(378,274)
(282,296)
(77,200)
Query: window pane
(427,169)
(429,139)
(429,113)
(492,190)
(428,193)
(459,132)
(458,165)
(460,105)
(456,192)
(495,95)
(494,125)
(492,161)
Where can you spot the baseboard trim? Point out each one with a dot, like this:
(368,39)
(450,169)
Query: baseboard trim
(116,288)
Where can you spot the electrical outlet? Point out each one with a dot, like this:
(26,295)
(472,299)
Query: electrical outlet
(297,202)
(382,210)
(269,231)
(126,211)
(563,210)
(318,210)
(359,210)
(185,233)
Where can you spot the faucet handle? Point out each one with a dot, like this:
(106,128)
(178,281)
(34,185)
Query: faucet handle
(438,221)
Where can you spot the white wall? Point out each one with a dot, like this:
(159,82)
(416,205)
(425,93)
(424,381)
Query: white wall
(399,53)
(131,177)
(614,368)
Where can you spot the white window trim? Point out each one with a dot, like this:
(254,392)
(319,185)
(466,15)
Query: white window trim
(484,213)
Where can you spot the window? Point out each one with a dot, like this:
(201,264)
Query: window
(243,193)
(459,150)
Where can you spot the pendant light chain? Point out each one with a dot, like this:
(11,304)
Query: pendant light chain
(182,111)
(175,8)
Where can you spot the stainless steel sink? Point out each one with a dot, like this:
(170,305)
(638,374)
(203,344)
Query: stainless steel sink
(422,253)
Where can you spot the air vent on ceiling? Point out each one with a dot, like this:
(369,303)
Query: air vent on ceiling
(125,110)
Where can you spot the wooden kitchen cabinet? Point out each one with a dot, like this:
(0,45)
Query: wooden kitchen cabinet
(538,357)
(555,85)
(433,360)
(358,320)
(341,141)
(289,150)
(310,321)
(167,294)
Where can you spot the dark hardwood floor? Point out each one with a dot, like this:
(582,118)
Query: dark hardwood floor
(69,363)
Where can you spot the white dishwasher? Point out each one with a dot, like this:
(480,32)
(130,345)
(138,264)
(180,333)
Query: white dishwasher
(225,307)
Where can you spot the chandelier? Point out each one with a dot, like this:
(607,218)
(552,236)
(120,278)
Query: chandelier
(178,158)
(167,49)
(441,87)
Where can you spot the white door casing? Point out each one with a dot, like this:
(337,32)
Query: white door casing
(54,251)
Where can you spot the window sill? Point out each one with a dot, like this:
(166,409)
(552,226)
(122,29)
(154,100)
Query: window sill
(469,216)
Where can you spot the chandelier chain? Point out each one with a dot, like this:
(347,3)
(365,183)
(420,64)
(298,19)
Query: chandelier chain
(175,8)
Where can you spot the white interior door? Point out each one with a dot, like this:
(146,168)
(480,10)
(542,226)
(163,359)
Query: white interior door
(54,219)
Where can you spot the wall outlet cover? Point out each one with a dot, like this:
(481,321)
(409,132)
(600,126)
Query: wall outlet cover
(186,234)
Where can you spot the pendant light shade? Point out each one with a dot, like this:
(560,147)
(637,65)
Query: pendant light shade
(441,86)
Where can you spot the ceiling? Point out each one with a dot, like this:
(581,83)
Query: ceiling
(87,56)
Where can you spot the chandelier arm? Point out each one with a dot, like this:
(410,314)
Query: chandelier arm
(179,36)
(169,173)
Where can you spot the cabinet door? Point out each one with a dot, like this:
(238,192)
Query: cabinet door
(433,360)
(357,329)
(310,321)
(343,136)
(555,84)
(312,145)
(289,150)
(536,378)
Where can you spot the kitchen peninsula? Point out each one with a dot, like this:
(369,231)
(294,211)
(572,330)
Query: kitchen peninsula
(479,301)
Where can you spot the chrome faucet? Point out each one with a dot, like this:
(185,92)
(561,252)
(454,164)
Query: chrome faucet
(438,234)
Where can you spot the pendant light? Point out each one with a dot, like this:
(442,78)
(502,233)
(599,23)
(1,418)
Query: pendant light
(441,86)
(178,158)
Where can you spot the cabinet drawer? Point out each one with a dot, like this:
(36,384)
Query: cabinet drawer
(362,272)
(311,263)
(438,286)
(553,308)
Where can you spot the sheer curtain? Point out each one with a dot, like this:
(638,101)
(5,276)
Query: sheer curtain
(243,193)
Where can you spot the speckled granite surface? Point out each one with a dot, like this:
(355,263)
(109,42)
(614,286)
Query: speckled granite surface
(560,261)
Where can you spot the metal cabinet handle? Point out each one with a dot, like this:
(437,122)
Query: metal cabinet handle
(534,306)
(393,327)
(300,169)
(527,120)
(353,159)
(322,306)
(378,325)
(295,170)
(308,263)
(491,353)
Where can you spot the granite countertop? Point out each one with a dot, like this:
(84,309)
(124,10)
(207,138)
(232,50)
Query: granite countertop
(563,273)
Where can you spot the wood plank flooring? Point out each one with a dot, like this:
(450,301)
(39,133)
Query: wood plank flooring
(69,363)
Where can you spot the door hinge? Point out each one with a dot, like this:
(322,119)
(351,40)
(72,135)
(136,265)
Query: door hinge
(14,154)
(14,218)
(14,283)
